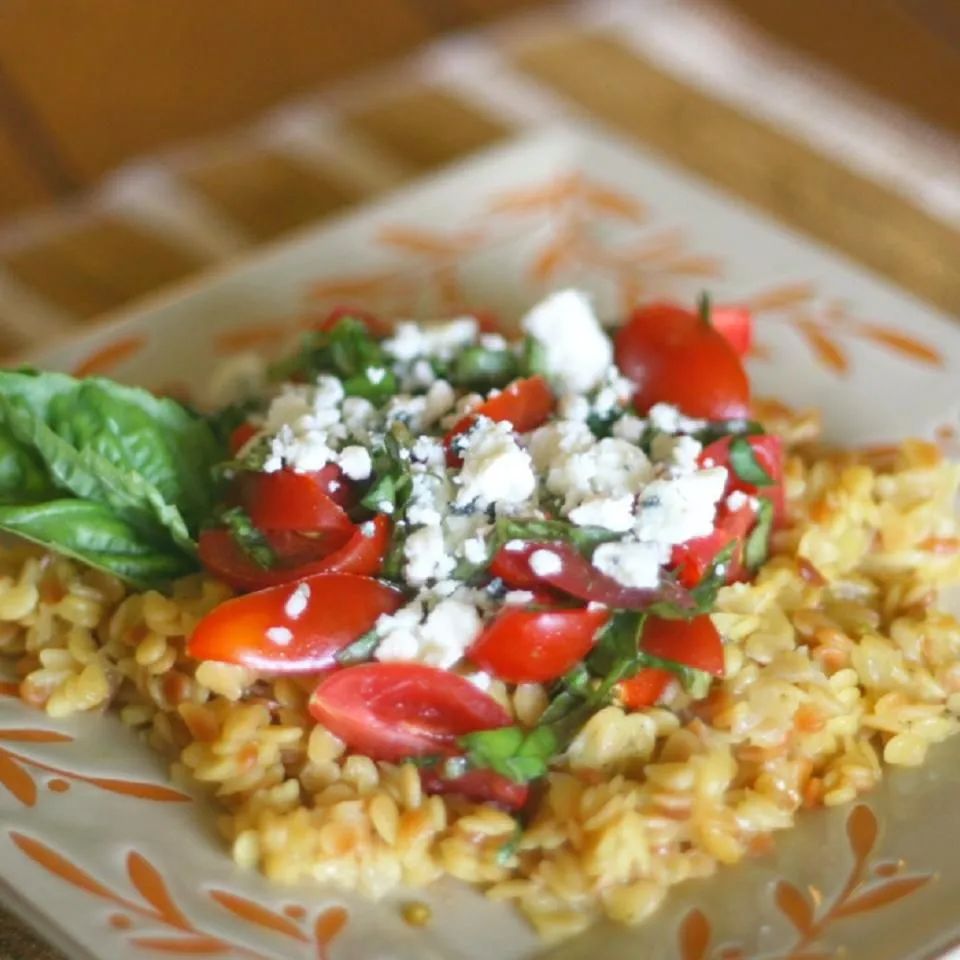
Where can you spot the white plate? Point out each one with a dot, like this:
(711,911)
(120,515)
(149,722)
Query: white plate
(89,864)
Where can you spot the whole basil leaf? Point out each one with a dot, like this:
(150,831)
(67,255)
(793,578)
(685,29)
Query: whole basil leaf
(92,532)
(744,463)
(756,549)
(23,477)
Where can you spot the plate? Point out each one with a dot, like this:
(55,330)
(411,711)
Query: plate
(107,858)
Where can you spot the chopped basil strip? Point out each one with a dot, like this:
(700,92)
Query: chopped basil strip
(518,754)
(479,368)
(248,538)
(585,539)
(704,307)
(360,651)
(717,429)
(744,463)
(533,358)
(508,849)
(757,546)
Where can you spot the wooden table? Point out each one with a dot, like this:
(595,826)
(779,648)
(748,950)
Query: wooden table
(186,208)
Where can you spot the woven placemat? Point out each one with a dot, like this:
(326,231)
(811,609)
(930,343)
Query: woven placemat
(680,79)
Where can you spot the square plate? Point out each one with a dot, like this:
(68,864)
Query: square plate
(106,858)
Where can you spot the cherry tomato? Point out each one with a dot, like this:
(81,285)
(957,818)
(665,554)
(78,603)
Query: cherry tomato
(674,356)
(239,437)
(361,553)
(487,321)
(525,403)
(534,646)
(768,453)
(286,500)
(645,688)
(693,643)
(274,631)
(693,559)
(483,785)
(578,577)
(736,324)
(390,711)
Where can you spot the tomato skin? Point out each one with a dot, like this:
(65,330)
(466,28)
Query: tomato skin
(525,403)
(735,323)
(358,554)
(287,500)
(693,643)
(693,559)
(483,785)
(391,711)
(645,688)
(533,646)
(341,607)
(768,451)
(239,437)
(676,357)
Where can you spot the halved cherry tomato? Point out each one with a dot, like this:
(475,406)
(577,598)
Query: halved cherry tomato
(306,502)
(693,559)
(389,711)
(579,578)
(487,321)
(644,688)
(533,646)
(483,785)
(360,554)
(693,643)
(239,437)
(272,631)
(674,356)
(525,403)
(768,452)
(736,324)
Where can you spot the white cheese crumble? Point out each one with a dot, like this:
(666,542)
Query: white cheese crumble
(669,419)
(281,636)
(426,556)
(496,469)
(518,598)
(737,500)
(612,513)
(681,508)
(438,638)
(411,341)
(545,563)
(297,601)
(630,562)
(577,353)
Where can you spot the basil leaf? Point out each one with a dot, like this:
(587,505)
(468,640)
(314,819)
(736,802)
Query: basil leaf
(717,429)
(704,594)
(360,651)
(248,538)
(477,367)
(508,849)
(744,463)
(23,477)
(756,549)
(512,752)
(696,682)
(91,532)
(533,358)
(585,539)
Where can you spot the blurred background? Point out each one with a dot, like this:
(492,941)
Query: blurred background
(141,141)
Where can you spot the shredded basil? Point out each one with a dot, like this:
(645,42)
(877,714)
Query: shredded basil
(360,651)
(480,368)
(585,539)
(508,849)
(756,549)
(744,463)
(250,540)
(512,752)
(717,429)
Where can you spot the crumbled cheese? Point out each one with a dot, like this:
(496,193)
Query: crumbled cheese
(612,513)
(675,510)
(375,374)
(437,639)
(518,598)
(630,562)
(493,341)
(411,341)
(359,416)
(577,352)
(281,636)
(613,393)
(368,529)
(429,497)
(669,419)
(475,549)
(355,462)
(629,428)
(679,452)
(573,406)
(426,556)
(737,500)
(496,469)
(297,601)
(545,563)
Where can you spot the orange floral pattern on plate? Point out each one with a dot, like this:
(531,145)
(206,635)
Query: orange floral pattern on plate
(154,922)
(866,889)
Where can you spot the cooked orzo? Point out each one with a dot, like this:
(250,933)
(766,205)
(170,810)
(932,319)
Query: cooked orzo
(744,622)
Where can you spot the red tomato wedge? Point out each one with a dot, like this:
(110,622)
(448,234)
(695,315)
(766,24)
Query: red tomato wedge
(239,437)
(578,577)
(390,711)
(768,453)
(645,688)
(674,356)
(735,323)
(692,643)
(525,403)
(693,559)
(361,553)
(483,785)
(306,502)
(271,630)
(533,646)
